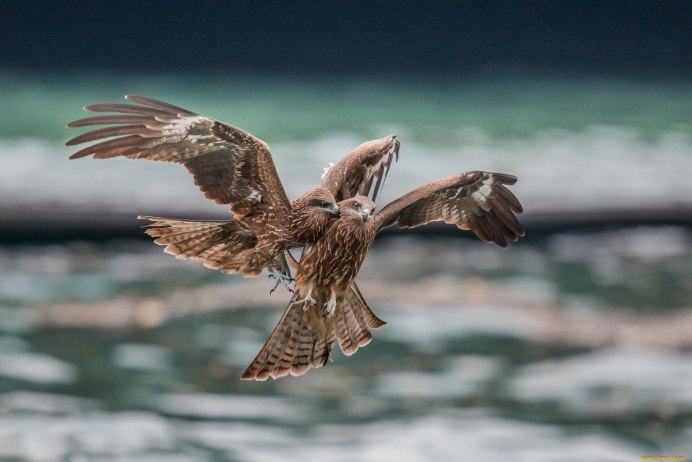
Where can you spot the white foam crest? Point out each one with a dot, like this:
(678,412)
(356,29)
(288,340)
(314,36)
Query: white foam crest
(452,435)
(609,381)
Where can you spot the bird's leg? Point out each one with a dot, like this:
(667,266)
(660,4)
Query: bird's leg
(330,307)
(280,280)
(308,298)
(282,273)
(285,270)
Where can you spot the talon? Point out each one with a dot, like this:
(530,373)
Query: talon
(308,299)
(285,270)
(281,278)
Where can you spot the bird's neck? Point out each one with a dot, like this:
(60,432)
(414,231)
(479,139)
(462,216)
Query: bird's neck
(306,226)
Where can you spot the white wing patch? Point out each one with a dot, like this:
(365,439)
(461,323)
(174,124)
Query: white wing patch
(196,138)
(255,197)
(374,169)
(183,125)
(445,210)
(482,195)
(325,170)
(485,190)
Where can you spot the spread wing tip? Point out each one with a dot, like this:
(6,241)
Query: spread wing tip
(78,155)
(153,221)
(477,201)
(505,178)
(397,146)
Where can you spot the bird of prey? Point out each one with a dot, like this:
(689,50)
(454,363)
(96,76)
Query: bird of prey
(325,309)
(230,167)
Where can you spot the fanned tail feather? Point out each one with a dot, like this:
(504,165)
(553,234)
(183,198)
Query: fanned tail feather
(303,339)
(354,298)
(215,243)
(354,319)
(298,343)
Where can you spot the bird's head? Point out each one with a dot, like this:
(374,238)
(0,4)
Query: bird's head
(359,209)
(319,200)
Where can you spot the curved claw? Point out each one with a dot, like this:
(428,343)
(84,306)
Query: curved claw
(281,279)
(308,300)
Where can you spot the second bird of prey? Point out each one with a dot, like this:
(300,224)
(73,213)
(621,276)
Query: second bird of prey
(336,223)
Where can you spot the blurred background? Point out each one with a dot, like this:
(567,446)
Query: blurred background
(571,345)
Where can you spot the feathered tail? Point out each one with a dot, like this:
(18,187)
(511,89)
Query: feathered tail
(216,243)
(304,339)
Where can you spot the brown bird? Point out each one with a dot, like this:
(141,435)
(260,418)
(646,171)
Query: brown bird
(324,308)
(231,167)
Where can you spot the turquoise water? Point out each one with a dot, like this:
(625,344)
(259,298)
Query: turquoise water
(429,111)
(582,143)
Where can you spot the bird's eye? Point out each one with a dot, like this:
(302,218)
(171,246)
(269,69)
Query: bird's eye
(325,204)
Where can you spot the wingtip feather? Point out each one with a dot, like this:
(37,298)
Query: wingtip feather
(79,155)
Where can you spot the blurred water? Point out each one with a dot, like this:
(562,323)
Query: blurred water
(528,352)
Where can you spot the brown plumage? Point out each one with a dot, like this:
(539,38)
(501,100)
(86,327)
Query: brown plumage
(229,166)
(233,167)
(322,311)
(356,172)
(304,337)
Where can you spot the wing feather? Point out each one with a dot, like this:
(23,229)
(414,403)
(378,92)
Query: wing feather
(229,165)
(509,199)
(356,172)
(475,201)
(109,119)
(139,130)
(124,108)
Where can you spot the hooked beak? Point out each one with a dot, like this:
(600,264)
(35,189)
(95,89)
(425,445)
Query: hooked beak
(365,214)
(332,209)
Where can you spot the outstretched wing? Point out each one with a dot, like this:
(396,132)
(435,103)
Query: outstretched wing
(367,164)
(229,165)
(475,201)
